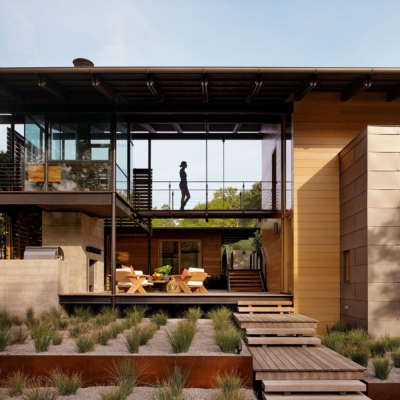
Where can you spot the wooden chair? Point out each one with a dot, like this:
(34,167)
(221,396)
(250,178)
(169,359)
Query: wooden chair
(192,282)
(139,282)
(122,282)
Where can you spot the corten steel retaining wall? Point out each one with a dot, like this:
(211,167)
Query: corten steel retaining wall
(96,368)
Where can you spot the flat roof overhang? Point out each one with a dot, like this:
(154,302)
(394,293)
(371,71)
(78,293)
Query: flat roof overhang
(94,204)
(185,214)
(234,102)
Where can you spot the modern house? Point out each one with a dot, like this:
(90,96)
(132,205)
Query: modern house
(330,143)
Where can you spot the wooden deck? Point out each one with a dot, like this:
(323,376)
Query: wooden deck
(158,298)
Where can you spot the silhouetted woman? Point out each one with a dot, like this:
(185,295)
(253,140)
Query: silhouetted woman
(183,185)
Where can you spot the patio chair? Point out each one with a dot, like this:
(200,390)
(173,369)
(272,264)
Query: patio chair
(131,283)
(192,282)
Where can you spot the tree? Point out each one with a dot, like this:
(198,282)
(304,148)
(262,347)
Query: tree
(164,223)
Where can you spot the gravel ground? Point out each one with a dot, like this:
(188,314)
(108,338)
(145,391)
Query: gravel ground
(203,344)
(394,376)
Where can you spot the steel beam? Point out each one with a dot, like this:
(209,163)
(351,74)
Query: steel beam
(104,88)
(53,87)
(149,108)
(255,88)
(306,87)
(154,89)
(358,86)
(148,128)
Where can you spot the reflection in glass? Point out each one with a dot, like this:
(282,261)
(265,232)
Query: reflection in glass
(190,255)
(169,255)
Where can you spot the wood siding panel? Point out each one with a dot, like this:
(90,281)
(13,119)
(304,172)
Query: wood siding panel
(322,127)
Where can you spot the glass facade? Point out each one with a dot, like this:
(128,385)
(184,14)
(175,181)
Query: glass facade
(180,255)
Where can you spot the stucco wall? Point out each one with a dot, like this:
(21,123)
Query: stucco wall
(32,283)
(370,229)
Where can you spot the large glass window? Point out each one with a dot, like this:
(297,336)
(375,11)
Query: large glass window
(180,254)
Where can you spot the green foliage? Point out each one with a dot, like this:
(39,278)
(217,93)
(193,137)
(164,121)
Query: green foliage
(378,348)
(244,245)
(182,337)
(15,383)
(360,356)
(160,318)
(6,319)
(118,393)
(228,339)
(136,313)
(41,393)
(335,340)
(41,335)
(229,384)
(381,368)
(396,359)
(392,342)
(85,343)
(115,329)
(171,387)
(221,317)
(193,314)
(339,326)
(82,313)
(103,336)
(57,338)
(5,338)
(139,336)
(79,328)
(106,316)
(166,269)
(18,335)
(66,384)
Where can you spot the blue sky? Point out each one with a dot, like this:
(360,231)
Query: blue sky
(299,33)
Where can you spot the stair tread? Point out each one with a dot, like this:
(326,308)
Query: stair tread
(280,331)
(314,396)
(306,385)
(281,340)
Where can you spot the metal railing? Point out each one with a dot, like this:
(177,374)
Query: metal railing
(221,195)
(11,177)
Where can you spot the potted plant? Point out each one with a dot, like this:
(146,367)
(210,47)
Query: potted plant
(165,270)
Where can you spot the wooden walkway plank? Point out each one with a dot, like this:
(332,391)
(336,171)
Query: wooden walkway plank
(281,331)
(323,359)
(346,362)
(280,365)
(311,365)
(264,366)
(325,366)
(296,364)
(283,340)
(288,364)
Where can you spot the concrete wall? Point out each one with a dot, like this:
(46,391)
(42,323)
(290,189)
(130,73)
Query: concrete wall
(73,232)
(32,283)
(370,229)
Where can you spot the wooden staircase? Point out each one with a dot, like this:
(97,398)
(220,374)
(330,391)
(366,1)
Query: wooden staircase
(245,280)
(289,361)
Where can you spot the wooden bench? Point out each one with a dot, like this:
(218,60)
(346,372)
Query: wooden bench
(265,306)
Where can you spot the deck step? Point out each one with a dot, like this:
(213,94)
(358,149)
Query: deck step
(281,331)
(315,396)
(326,386)
(245,281)
(281,340)
(250,310)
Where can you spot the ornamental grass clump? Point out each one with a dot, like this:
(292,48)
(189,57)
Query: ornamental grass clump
(139,336)
(5,338)
(37,391)
(392,342)
(106,316)
(115,329)
(124,375)
(193,314)
(182,337)
(85,343)
(136,313)
(79,328)
(381,368)
(103,336)
(378,347)
(5,319)
(171,387)
(57,338)
(66,384)
(15,383)
(230,385)
(18,335)
(220,317)
(42,337)
(396,359)
(82,313)
(228,339)
(360,356)
(335,341)
(160,318)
